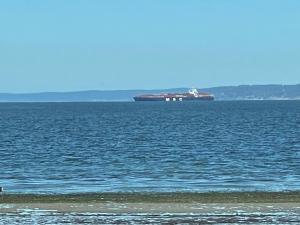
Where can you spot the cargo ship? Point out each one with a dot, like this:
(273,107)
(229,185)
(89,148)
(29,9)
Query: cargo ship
(191,95)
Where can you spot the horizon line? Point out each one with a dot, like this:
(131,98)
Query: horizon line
(141,89)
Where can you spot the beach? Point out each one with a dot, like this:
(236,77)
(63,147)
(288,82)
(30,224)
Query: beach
(145,208)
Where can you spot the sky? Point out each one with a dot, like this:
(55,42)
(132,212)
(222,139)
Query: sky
(71,45)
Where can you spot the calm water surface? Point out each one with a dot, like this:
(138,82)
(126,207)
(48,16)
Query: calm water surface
(157,147)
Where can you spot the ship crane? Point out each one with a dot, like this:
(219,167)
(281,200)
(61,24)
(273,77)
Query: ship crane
(194,91)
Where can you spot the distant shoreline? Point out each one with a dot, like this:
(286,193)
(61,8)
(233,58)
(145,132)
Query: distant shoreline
(145,102)
(241,92)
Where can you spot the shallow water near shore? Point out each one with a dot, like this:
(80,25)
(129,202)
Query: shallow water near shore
(141,213)
(87,218)
(150,147)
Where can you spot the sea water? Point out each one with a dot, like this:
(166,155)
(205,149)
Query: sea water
(150,146)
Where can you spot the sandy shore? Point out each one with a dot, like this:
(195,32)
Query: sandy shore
(150,213)
(250,202)
(205,198)
(155,208)
(150,208)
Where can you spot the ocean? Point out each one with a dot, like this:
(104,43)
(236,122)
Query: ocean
(150,147)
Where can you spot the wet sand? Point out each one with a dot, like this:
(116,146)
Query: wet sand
(150,208)
(150,213)
(210,197)
(155,208)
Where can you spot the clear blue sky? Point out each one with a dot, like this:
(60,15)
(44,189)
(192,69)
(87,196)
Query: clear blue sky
(63,45)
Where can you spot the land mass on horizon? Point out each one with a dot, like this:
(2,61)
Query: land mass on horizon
(241,92)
